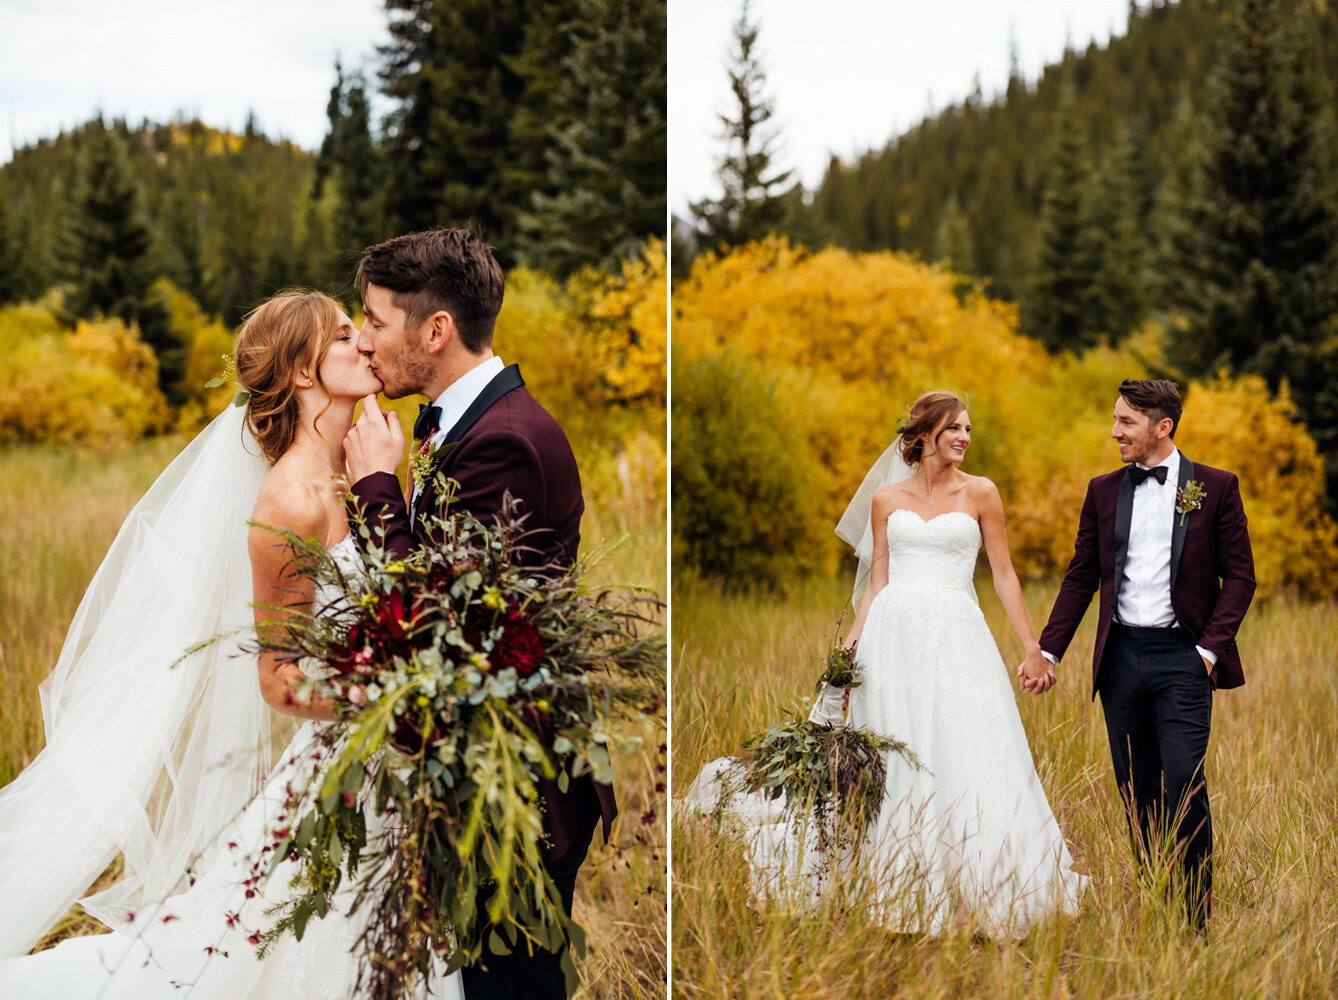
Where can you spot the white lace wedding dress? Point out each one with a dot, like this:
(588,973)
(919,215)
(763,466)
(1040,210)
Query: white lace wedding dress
(970,841)
(196,944)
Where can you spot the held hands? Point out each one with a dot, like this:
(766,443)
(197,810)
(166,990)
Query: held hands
(375,443)
(1036,674)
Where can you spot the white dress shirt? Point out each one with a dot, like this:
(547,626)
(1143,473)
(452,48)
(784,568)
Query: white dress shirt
(458,397)
(1143,597)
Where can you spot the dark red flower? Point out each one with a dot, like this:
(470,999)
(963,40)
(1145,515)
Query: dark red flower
(390,613)
(521,646)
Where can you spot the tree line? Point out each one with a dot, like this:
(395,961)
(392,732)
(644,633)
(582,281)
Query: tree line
(542,124)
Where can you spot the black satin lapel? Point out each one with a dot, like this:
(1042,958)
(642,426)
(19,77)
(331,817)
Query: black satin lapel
(1178,529)
(502,383)
(1124,513)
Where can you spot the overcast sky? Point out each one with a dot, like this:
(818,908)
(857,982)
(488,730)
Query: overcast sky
(61,61)
(847,75)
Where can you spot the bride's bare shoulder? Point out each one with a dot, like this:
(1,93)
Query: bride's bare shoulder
(982,492)
(888,498)
(289,501)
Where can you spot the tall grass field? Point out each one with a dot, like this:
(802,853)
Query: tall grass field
(64,507)
(742,661)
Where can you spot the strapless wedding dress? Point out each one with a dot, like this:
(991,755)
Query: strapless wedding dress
(971,840)
(197,944)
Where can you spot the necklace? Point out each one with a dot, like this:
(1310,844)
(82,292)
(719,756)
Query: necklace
(326,458)
(928,492)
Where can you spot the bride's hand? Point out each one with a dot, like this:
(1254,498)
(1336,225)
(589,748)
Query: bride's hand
(1036,674)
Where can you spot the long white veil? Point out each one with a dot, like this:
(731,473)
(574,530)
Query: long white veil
(142,760)
(855,527)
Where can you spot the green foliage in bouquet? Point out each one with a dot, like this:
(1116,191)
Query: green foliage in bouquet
(838,668)
(837,773)
(465,679)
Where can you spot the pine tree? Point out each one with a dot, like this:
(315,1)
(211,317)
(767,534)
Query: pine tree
(449,70)
(1056,312)
(10,253)
(952,241)
(1117,302)
(1257,286)
(606,164)
(751,205)
(106,243)
(351,162)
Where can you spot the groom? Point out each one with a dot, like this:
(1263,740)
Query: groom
(431,301)
(1166,542)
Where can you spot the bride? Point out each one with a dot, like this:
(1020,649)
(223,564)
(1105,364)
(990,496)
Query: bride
(970,840)
(166,767)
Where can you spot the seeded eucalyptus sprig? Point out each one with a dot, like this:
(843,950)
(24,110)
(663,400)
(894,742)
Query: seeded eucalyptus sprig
(230,375)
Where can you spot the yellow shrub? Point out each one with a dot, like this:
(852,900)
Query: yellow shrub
(94,388)
(1238,426)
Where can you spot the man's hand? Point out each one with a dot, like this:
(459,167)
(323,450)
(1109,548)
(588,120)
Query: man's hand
(1208,664)
(375,443)
(1036,674)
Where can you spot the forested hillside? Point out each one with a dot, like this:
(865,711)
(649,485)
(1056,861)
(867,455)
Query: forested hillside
(541,124)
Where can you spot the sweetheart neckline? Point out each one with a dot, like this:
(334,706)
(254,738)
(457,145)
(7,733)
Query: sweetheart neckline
(923,520)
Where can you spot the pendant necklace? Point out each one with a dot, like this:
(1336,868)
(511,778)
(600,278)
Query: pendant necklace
(928,492)
(326,458)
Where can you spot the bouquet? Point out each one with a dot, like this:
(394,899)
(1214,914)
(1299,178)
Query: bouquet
(835,773)
(464,679)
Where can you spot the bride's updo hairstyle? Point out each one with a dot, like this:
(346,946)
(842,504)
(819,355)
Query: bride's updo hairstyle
(928,413)
(281,336)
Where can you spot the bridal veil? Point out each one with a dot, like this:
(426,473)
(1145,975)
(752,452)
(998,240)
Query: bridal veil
(143,759)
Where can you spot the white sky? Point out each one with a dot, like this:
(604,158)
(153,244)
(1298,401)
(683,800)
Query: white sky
(61,61)
(847,75)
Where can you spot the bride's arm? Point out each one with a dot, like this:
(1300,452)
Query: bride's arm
(1035,673)
(275,582)
(881,509)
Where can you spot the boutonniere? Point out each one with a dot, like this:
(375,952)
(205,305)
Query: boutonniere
(424,458)
(1189,499)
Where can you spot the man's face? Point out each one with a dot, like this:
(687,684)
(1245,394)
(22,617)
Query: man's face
(397,354)
(1135,433)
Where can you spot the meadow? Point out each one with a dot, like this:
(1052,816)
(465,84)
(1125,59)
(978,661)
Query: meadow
(64,507)
(743,660)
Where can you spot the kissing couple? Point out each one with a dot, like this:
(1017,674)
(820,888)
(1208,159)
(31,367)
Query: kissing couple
(970,840)
(162,767)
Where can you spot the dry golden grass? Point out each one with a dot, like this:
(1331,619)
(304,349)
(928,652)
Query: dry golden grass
(741,661)
(63,509)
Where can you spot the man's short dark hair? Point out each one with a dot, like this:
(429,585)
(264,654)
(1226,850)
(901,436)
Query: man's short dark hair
(440,269)
(1155,397)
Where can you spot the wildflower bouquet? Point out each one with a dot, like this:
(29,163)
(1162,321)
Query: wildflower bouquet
(483,677)
(836,773)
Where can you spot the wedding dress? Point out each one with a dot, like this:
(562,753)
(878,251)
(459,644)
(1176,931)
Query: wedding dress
(970,840)
(200,723)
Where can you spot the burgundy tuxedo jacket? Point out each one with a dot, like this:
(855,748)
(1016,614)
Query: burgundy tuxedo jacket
(513,445)
(1212,567)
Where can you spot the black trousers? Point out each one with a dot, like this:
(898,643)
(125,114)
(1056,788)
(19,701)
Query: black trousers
(524,976)
(1158,703)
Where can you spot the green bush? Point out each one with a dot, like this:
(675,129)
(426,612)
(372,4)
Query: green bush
(747,488)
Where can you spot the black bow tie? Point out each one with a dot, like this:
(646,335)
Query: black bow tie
(429,419)
(1140,476)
